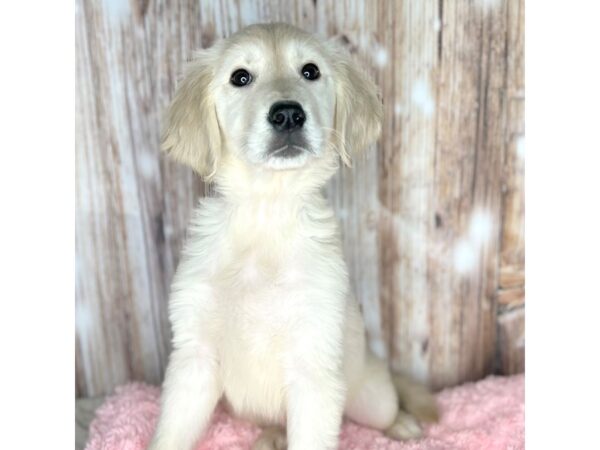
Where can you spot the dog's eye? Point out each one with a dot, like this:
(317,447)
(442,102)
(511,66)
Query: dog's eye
(241,77)
(310,71)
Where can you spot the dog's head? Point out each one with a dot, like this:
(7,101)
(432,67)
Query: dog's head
(272,97)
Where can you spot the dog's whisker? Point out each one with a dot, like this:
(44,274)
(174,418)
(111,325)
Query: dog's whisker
(343,152)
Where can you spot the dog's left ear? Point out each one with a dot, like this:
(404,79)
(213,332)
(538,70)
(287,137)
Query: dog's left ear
(358,109)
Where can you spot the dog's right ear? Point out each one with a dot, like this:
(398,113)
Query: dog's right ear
(191,133)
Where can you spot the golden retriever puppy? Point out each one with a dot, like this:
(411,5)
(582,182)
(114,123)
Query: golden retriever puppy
(261,308)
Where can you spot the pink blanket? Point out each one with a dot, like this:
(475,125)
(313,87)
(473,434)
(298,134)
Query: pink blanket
(486,415)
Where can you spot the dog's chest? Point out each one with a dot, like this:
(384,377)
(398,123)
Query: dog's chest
(264,249)
(268,276)
(252,359)
(259,289)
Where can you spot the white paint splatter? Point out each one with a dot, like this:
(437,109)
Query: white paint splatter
(168,231)
(521,147)
(147,165)
(83,319)
(465,256)
(249,13)
(422,98)
(480,227)
(342,214)
(117,10)
(378,347)
(380,55)
(398,109)
(486,5)
(520,342)
(468,248)
(437,25)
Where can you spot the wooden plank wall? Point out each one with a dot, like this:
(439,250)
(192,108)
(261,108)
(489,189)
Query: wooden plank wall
(432,218)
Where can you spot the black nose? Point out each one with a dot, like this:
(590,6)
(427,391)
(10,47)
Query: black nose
(286,116)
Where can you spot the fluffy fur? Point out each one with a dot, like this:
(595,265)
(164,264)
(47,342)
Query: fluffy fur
(261,309)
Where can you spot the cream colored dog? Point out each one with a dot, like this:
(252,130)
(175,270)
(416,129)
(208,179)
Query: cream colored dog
(261,309)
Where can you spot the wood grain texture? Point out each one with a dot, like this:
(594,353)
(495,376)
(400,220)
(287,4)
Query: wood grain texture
(511,341)
(432,219)
(511,290)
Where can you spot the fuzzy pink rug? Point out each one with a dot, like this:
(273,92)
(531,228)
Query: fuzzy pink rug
(485,415)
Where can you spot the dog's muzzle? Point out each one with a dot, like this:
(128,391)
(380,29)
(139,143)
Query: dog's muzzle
(287,119)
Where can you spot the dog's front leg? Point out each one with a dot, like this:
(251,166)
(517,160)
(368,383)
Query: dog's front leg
(315,393)
(190,393)
(315,408)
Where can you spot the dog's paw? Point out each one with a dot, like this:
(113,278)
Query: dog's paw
(416,399)
(423,407)
(271,439)
(404,427)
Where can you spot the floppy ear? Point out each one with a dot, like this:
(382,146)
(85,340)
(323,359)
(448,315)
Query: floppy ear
(191,133)
(358,109)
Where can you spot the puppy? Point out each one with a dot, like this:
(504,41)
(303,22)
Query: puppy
(261,310)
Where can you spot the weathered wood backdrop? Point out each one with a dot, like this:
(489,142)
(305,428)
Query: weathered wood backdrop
(432,221)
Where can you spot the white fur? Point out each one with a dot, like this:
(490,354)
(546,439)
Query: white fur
(260,306)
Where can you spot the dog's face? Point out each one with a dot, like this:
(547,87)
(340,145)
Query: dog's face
(273,97)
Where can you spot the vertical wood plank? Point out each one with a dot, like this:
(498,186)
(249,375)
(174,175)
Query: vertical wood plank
(511,341)
(513,224)
(406,171)
(511,287)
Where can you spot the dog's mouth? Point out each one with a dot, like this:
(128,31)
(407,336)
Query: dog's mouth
(288,146)
(287,151)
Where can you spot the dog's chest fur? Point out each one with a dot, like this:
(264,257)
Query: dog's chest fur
(258,281)
(274,267)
